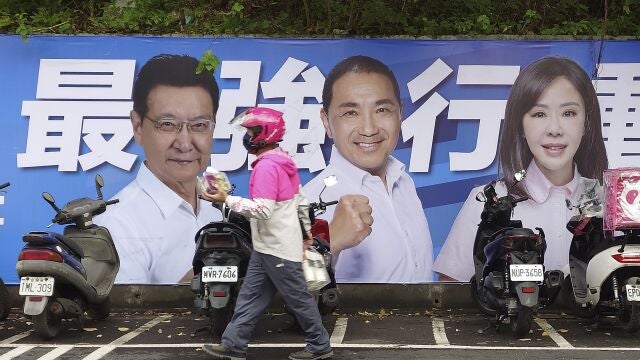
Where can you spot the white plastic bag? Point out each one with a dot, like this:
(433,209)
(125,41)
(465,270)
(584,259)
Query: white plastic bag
(315,270)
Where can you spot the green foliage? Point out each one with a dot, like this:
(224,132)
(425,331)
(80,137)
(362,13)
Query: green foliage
(313,18)
(208,62)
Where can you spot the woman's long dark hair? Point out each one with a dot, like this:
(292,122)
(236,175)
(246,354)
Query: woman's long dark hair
(514,153)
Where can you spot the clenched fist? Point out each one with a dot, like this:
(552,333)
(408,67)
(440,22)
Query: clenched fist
(351,222)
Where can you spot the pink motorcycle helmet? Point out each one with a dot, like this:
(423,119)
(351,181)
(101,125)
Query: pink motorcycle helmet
(267,123)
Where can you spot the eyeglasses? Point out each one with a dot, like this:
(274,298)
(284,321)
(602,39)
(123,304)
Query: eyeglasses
(171,125)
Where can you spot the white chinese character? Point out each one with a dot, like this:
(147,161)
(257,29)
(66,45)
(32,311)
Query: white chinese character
(1,203)
(620,110)
(230,100)
(421,124)
(490,113)
(85,79)
(55,128)
(282,85)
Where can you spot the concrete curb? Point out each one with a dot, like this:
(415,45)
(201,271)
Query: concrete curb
(353,297)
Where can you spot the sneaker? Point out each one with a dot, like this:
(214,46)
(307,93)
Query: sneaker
(305,355)
(221,352)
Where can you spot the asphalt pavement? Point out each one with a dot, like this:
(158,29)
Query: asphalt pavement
(381,334)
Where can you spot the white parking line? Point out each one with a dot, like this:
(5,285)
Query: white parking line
(339,329)
(439,333)
(16,352)
(105,349)
(337,346)
(553,334)
(15,338)
(53,354)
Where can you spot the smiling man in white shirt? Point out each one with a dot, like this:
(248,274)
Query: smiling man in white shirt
(362,114)
(159,213)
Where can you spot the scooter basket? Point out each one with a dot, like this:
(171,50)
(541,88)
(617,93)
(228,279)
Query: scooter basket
(621,200)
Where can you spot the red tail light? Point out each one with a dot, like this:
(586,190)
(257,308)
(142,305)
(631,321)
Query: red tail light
(39,254)
(219,293)
(528,290)
(627,258)
(35,298)
(223,240)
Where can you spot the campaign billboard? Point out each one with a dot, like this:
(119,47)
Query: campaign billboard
(67,100)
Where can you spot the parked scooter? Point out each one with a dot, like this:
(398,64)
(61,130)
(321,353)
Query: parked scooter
(510,281)
(62,276)
(605,269)
(223,250)
(5,305)
(328,296)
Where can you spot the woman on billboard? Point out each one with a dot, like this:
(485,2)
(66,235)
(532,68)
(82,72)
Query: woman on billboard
(552,128)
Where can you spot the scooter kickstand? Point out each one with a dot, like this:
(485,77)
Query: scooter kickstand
(202,329)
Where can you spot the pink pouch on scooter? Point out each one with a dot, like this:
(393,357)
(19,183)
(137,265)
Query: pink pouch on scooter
(622,198)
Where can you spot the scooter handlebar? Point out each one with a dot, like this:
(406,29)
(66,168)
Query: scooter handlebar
(515,201)
(111,202)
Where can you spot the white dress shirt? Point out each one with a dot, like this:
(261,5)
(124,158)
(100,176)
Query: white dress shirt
(399,249)
(546,208)
(153,229)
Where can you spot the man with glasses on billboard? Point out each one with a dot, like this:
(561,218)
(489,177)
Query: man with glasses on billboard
(173,118)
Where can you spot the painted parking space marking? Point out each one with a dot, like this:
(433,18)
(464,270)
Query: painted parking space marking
(439,333)
(19,350)
(339,329)
(553,334)
(15,338)
(105,349)
(55,353)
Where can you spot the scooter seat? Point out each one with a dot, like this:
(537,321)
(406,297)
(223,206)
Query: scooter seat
(519,232)
(70,244)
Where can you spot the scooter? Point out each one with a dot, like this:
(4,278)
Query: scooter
(5,304)
(62,276)
(223,250)
(328,297)
(510,281)
(605,269)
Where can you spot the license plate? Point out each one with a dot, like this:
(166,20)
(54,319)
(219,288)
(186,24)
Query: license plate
(36,286)
(526,272)
(219,273)
(633,292)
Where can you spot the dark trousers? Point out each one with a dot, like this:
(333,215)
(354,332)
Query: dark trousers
(266,275)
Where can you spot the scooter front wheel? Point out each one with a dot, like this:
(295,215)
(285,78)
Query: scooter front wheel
(479,299)
(100,311)
(220,318)
(630,318)
(46,324)
(521,321)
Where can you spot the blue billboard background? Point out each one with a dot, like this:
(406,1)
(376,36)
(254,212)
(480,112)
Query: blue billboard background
(441,190)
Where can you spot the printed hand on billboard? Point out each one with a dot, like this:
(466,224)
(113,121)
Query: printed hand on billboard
(351,222)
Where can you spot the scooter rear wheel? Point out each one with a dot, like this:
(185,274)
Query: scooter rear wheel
(521,322)
(47,325)
(479,299)
(5,306)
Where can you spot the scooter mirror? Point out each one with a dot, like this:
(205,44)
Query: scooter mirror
(330,180)
(99,185)
(518,176)
(49,198)
(569,205)
(480,197)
